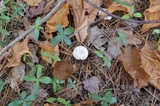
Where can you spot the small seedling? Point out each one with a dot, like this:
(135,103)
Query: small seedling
(60,100)
(18,11)
(37,27)
(122,37)
(106,60)
(51,57)
(24,101)
(36,80)
(71,83)
(157,31)
(62,35)
(56,84)
(107,99)
(2,84)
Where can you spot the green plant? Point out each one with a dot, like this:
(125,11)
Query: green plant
(51,56)
(106,60)
(18,10)
(36,80)
(71,83)
(56,84)
(2,84)
(122,37)
(24,101)
(132,10)
(37,27)
(62,35)
(60,100)
(157,31)
(107,99)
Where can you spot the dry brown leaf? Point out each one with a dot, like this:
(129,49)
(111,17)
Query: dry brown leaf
(17,52)
(63,70)
(117,7)
(88,102)
(92,84)
(154,2)
(151,61)
(132,63)
(60,17)
(83,14)
(32,2)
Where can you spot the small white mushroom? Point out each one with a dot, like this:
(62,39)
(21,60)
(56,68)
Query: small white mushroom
(80,53)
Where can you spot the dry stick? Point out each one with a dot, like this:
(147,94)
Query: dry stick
(31,29)
(117,17)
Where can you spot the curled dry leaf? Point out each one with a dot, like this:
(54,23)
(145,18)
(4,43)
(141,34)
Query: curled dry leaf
(131,60)
(83,14)
(60,17)
(17,74)
(152,13)
(92,84)
(154,2)
(88,102)
(32,2)
(151,61)
(63,70)
(117,7)
(45,47)
(17,52)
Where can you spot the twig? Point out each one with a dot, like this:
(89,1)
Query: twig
(117,17)
(31,29)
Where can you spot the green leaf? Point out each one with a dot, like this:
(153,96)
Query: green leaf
(16,103)
(36,87)
(5,2)
(39,70)
(23,94)
(118,1)
(113,100)
(132,9)
(96,97)
(118,39)
(138,15)
(54,87)
(61,100)
(36,34)
(126,3)
(21,13)
(31,97)
(56,40)
(67,40)
(51,100)
(30,78)
(126,16)
(98,53)
(4,17)
(4,32)
(104,103)
(56,58)
(107,61)
(124,41)
(156,31)
(59,28)
(38,21)
(108,95)
(45,80)
(68,31)
(2,84)
(122,35)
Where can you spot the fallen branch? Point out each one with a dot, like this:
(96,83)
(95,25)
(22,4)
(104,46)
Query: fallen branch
(31,29)
(117,17)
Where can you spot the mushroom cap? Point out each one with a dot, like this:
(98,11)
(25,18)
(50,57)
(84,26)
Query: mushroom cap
(80,53)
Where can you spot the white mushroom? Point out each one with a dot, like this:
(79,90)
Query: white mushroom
(80,53)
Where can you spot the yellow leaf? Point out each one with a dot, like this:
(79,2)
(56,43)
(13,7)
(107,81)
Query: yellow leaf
(60,17)
(17,52)
(83,14)
(32,2)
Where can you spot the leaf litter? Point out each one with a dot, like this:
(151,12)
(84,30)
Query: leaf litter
(142,64)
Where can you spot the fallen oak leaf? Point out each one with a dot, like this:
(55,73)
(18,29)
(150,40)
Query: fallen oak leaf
(132,63)
(60,17)
(83,14)
(150,62)
(17,52)
(63,70)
